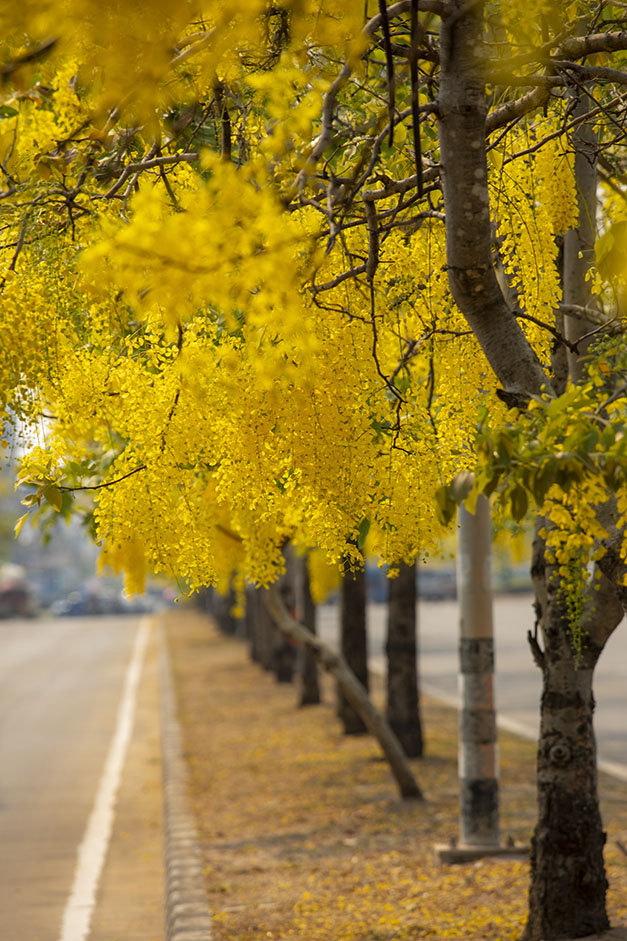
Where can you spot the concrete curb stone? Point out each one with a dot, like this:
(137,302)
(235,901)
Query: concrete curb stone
(188,917)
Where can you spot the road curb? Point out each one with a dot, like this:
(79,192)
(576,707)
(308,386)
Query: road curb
(188,917)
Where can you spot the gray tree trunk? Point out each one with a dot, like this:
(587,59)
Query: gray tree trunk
(567,848)
(252,624)
(568,885)
(309,683)
(403,707)
(283,649)
(568,882)
(579,242)
(265,629)
(352,690)
(354,646)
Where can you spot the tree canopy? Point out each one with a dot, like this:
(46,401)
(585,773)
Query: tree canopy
(226,301)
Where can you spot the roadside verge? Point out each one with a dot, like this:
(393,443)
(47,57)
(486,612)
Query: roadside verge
(187,908)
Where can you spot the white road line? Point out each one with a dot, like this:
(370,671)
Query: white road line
(613,768)
(93,849)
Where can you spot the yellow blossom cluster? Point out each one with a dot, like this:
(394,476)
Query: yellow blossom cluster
(223,360)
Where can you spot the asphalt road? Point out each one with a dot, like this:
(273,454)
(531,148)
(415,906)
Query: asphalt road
(518,680)
(61,685)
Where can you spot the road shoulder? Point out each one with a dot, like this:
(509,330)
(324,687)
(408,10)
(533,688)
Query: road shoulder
(130,904)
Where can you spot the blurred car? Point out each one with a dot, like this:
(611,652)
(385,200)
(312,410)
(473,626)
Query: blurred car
(16,598)
(86,603)
(436,584)
(77,604)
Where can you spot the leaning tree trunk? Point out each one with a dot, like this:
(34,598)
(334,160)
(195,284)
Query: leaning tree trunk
(352,689)
(567,899)
(353,644)
(402,710)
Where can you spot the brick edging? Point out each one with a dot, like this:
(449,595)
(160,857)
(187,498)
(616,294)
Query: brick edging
(187,908)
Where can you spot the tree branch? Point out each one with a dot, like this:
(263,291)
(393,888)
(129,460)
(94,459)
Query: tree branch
(109,483)
(355,693)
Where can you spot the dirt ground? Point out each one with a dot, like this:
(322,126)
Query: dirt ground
(303,831)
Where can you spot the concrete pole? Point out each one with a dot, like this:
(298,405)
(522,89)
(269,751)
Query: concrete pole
(478,750)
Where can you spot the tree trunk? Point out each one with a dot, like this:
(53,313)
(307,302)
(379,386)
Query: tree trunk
(265,630)
(462,125)
(309,685)
(222,607)
(579,242)
(568,883)
(402,711)
(353,644)
(283,650)
(252,623)
(352,690)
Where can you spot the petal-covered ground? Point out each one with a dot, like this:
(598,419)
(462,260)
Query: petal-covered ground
(302,828)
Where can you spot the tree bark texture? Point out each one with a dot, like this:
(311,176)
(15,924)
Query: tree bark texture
(265,627)
(462,124)
(568,883)
(223,608)
(353,644)
(579,242)
(402,710)
(352,689)
(309,684)
(252,624)
(283,649)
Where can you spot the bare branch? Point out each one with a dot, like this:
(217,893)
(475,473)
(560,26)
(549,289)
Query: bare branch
(577,47)
(149,164)
(109,483)
(34,55)
(194,48)
(513,110)
(592,73)
(330,98)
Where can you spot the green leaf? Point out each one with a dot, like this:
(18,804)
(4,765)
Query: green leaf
(505,448)
(7,112)
(492,484)
(445,505)
(362,533)
(520,504)
(54,497)
(542,480)
(611,250)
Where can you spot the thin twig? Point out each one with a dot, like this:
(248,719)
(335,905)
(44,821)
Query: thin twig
(109,483)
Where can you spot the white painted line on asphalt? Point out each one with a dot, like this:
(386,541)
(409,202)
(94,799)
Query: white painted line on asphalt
(613,768)
(93,849)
